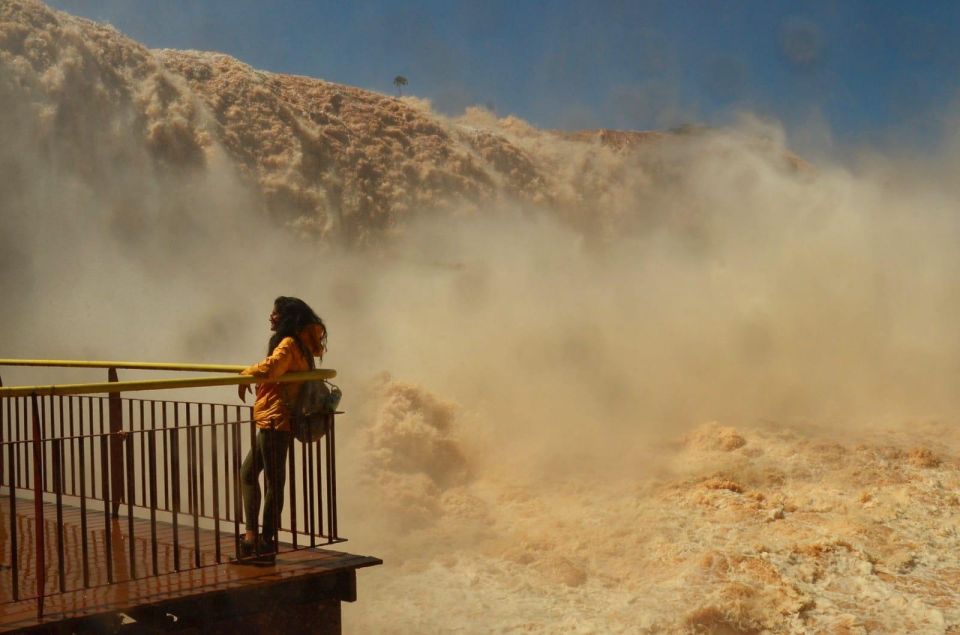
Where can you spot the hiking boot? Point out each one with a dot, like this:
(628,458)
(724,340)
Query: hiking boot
(266,550)
(246,553)
(248,548)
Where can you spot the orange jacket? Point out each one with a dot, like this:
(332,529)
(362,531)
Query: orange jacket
(270,409)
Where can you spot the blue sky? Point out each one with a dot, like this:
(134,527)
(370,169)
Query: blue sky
(871,72)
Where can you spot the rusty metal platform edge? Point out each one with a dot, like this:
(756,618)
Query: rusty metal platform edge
(297,566)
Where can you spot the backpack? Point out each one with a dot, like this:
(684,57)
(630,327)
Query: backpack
(312,413)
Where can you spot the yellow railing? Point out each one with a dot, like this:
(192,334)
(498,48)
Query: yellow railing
(152,384)
(76,363)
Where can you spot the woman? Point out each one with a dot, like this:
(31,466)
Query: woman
(298,332)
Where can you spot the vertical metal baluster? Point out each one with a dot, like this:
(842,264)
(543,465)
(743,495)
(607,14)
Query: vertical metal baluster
(4,417)
(66,447)
(43,404)
(193,431)
(237,503)
(58,488)
(85,550)
(152,475)
(203,480)
(333,473)
(11,435)
(47,425)
(320,481)
(116,445)
(153,428)
(4,434)
(143,450)
(131,490)
(293,489)
(14,559)
(56,420)
(51,412)
(39,537)
(60,436)
(227,482)
(23,460)
(331,433)
(191,472)
(270,463)
(103,494)
(46,432)
(74,441)
(175,483)
(214,472)
(309,490)
(166,462)
(127,433)
(329,482)
(304,473)
(18,435)
(14,425)
(263,499)
(105,485)
(26,464)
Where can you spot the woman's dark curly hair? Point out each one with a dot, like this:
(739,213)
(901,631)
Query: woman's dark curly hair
(293,316)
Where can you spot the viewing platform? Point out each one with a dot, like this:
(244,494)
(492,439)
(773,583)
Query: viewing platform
(130,510)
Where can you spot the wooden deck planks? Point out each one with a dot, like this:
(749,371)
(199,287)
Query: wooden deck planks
(127,590)
(196,582)
(100,566)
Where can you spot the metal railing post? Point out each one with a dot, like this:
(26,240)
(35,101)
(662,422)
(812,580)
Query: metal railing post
(14,551)
(116,445)
(38,503)
(332,464)
(3,424)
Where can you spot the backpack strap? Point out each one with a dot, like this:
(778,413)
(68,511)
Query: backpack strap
(284,394)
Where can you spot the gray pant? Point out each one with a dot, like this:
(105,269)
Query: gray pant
(268,455)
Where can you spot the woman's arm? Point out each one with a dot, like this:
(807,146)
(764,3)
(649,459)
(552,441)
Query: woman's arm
(272,367)
(276,364)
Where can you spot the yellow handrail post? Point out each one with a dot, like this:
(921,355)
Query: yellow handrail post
(116,444)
